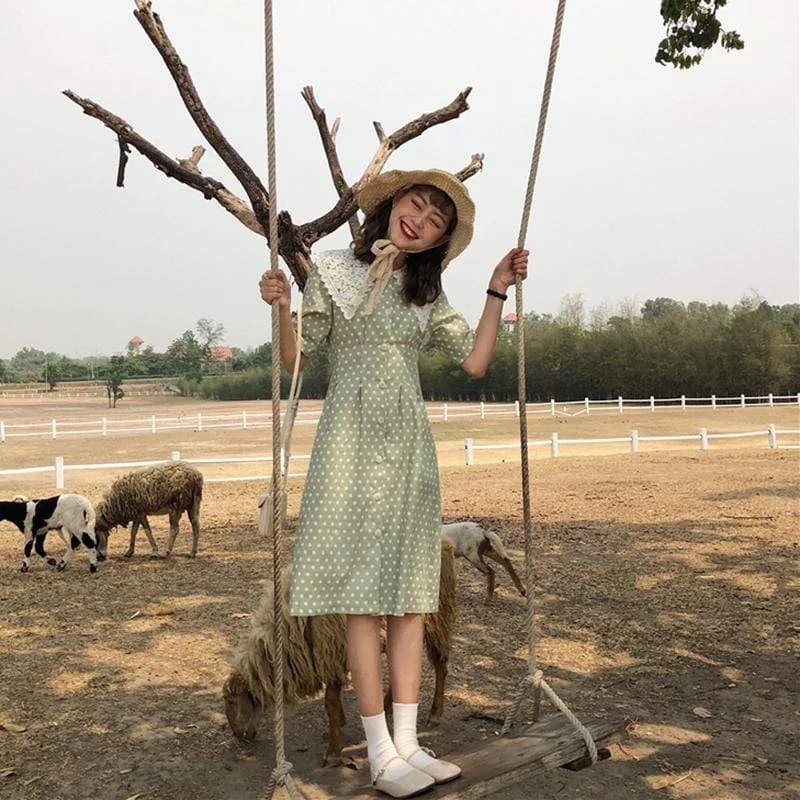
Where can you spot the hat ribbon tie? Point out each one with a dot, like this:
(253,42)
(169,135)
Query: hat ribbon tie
(380,270)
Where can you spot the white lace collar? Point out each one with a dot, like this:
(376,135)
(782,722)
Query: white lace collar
(345,278)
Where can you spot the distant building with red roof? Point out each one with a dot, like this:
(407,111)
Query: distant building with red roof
(134,344)
(221,352)
(509,321)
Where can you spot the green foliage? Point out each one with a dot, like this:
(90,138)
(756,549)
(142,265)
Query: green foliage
(692,30)
(114,374)
(187,356)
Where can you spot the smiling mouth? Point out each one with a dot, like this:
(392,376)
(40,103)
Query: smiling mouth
(408,231)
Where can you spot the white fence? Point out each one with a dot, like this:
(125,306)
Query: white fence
(59,468)
(248,420)
(702,437)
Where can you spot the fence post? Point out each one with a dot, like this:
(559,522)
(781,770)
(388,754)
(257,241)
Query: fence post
(244,420)
(552,407)
(59,472)
(742,401)
(2,431)
(619,404)
(586,404)
(683,402)
(772,437)
(798,398)
(713,401)
(483,410)
(634,441)
(554,445)
(703,439)
(516,406)
(104,430)
(769,396)
(175,455)
(652,404)
(444,412)
(199,422)
(53,426)
(468,452)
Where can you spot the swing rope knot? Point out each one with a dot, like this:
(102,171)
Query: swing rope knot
(281,776)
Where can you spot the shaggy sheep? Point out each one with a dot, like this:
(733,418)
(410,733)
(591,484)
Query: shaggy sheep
(68,513)
(472,542)
(162,489)
(316,660)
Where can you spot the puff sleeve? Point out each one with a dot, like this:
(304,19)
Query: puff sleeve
(448,330)
(317,313)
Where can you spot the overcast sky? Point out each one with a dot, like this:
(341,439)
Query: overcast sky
(653,181)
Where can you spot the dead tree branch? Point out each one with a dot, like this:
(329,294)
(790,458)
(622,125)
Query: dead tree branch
(295,240)
(473,168)
(331,154)
(210,188)
(313,231)
(153,27)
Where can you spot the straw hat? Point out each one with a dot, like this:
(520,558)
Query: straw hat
(388,183)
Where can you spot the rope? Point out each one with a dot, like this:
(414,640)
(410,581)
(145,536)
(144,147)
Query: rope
(281,775)
(534,678)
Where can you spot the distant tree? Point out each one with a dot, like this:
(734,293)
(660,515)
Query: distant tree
(692,30)
(188,356)
(29,363)
(114,374)
(209,333)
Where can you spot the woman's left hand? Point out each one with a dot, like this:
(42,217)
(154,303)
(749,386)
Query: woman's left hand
(514,263)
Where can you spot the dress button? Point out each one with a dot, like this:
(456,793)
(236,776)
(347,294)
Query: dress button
(379,458)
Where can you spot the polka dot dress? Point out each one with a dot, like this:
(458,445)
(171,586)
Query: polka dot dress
(368,539)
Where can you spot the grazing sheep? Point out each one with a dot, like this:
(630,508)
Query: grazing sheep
(472,542)
(316,660)
(70,513)
(162,489)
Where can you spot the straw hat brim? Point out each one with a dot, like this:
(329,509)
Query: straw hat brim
(386,184)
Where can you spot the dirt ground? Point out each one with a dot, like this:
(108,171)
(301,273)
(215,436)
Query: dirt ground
(667,582)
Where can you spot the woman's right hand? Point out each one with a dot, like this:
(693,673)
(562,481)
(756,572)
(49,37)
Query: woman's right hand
(274,285)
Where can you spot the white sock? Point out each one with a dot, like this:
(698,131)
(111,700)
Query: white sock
(405,732)
(380,747)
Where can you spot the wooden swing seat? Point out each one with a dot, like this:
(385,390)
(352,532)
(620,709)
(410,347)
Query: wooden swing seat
(505,761)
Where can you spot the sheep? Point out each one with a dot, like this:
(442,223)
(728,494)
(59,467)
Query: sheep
(473,542)
(170,488)
(72,513)
(316,660)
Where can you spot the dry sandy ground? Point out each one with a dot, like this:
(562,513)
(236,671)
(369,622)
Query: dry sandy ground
(666,581)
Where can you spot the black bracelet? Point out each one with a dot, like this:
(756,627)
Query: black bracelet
(498,295)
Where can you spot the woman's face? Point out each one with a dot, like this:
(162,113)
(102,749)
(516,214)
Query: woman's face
(415,223)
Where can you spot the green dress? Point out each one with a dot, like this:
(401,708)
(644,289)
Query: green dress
(368,539)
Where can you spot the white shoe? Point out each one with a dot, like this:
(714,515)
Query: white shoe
(425,761)
(401,783)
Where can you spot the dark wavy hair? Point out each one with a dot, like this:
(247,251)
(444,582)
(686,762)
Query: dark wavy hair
(423,275)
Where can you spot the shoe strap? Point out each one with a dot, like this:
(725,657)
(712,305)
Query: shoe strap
(380,773)
(421,749)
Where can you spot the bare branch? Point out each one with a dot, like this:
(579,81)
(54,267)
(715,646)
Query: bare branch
(474,166)
(198,151)
(209,187)
(153,27)
(379,130)
(329,146)
(123,161)
(313,231)
(335,128)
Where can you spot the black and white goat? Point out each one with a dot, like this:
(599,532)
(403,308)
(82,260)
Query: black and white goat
(71,514)
(475,544)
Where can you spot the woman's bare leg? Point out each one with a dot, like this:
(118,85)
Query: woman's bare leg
(404,651)
(391,773)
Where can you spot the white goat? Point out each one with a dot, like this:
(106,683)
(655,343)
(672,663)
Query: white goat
(474,543)
(68,513)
